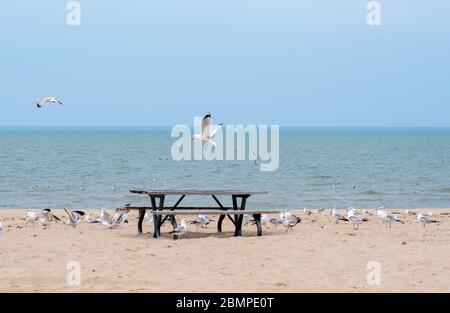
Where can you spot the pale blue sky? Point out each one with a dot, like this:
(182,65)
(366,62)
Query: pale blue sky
(293,63)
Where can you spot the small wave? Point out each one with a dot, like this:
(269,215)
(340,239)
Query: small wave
(371,193)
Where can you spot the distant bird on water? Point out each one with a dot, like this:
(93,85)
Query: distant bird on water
(49,100)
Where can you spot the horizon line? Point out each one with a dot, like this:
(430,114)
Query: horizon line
(170,126)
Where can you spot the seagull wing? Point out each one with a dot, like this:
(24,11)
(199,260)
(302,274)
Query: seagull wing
(43,100)
(214,129)
(71,218)
(55,217)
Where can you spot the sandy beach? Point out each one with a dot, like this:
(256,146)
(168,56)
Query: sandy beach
(316,256)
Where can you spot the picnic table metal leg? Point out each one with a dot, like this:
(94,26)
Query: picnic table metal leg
(257,218)
(237,229)
(155,218)
(172,218)
(222,217)
(239,218)
(141,220)
(161,207)
(219,223)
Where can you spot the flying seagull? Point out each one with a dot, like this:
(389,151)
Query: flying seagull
(208,131)
(46,100)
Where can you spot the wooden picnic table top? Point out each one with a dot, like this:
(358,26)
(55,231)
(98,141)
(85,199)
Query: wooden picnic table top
(220,192)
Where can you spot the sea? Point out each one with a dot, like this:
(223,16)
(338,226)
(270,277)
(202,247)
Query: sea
(45,167)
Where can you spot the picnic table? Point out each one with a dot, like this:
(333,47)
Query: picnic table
(235,212)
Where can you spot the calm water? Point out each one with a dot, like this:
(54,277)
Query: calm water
(319,167)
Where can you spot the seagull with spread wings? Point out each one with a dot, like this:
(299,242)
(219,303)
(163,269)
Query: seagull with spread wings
(48,100)
(208,131)
(74,217)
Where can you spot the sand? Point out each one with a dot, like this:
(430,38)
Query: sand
(315,256)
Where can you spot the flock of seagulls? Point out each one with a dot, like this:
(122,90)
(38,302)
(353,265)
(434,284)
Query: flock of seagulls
(47,218)
(113,218)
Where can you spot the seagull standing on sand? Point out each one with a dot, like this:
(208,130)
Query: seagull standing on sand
(337,217)
(202,220)
(48,218)
(388,219)
(110,222)
(354,219)
(46,100)
(74,217)
(1,227)
(208,131)
(31,217)
(275,221)
(122,214)
(179,230)
(290,221)
(424,219)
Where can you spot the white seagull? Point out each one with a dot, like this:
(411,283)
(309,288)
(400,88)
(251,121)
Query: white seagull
(48,218)
(121,214)
(388,219)
(208,131)
(46,100)
(202,220)
(275,221)
(354,219)
(179,230)
(74,217)
(424,219)
(110,222)
(31,217)
(1,227)
(338,217)
(290,221)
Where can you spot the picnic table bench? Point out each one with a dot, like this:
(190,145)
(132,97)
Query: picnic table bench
(235,212)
